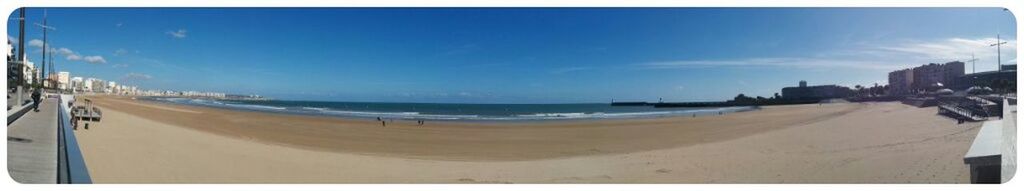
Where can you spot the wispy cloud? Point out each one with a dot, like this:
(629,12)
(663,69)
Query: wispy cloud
(136,76)
(569,69)
(94,59)
(119,65)
(953,49)
(120,52)
(881,57)
(65,51)
(772,62)
(68,54)
(180,33)
(35,43)
(74,57)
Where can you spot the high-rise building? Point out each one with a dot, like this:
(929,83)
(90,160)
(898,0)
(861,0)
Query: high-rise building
(901,82)
(76,84)
(88,84)
(925,77)
(64,80)
(933,75)
(110,88)
(10,55)
(99,86)
(29,71)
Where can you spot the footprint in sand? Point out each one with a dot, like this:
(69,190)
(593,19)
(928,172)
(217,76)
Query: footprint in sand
(663,170)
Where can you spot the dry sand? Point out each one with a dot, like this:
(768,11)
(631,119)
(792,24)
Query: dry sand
(147,142)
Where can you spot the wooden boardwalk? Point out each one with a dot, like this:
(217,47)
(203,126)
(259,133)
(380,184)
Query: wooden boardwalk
(32,146)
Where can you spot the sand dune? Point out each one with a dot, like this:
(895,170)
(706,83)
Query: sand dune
(859,143)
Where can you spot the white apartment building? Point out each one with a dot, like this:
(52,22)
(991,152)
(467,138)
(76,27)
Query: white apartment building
(29,71)
(111,87)
(87,85)
(64,80)
(76,84)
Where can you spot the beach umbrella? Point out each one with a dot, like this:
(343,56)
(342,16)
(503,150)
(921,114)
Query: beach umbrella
(944,92)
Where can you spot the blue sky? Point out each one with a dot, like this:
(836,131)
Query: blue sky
(511,55)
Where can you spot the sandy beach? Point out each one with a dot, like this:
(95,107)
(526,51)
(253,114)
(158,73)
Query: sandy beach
(149,142)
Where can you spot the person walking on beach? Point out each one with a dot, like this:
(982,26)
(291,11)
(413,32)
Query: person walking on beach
(36,96)
(383,123)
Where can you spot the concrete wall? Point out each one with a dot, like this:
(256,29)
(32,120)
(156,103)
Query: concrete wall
(1009,144)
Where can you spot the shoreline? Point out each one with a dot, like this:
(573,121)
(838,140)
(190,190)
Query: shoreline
(469,118)
(144,142)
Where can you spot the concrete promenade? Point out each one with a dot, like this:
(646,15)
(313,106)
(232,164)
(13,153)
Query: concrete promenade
(32,145)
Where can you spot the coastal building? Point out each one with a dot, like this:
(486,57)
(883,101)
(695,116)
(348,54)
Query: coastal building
(901,82)
(88,84)
(933,75)
(76,84)
(29,71)
(987,79)
(64,80)
(925,77)
(99,85)
(10,54)
(110,87)
(804,92)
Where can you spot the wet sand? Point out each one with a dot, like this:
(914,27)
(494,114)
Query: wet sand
(141,141)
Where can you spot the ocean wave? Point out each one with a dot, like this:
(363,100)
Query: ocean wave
(408,115)
(250,106)
(315,108)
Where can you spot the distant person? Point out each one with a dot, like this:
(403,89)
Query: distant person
(378,118)
(36,96)
(383,123)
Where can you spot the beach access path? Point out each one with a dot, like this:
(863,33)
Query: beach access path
(32,145)
(831,143)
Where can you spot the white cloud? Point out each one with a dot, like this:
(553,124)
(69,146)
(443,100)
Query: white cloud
(954,48)
(872,57)
(95,59)
(35,43)
(65,51)
(68,53)
(773,62)
(136,76)
(120,52)
(74,57)
(181,33)
(960,49)
(569,69)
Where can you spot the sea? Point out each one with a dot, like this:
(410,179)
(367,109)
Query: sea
(452,111)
